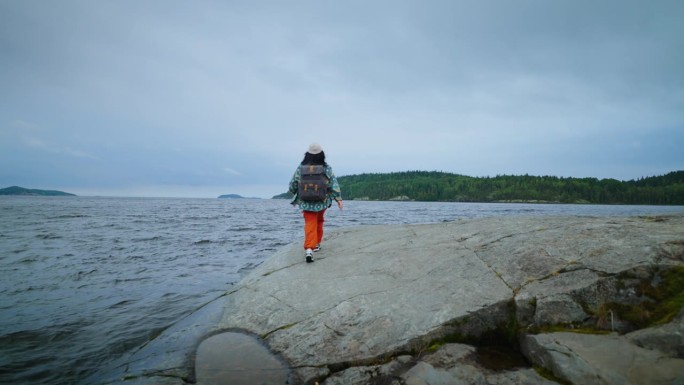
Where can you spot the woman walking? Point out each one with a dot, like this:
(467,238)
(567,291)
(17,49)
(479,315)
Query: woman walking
(314,186)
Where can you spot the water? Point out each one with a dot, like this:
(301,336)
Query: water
(85,280)
(246,362)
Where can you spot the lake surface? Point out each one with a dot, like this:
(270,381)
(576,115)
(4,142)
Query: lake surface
(85,280)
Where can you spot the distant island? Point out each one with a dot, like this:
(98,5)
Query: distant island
(16,190)
(234,196)
(435,186)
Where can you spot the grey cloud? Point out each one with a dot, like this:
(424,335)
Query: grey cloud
(196,93)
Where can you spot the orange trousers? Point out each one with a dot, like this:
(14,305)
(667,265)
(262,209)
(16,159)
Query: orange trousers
(313,228)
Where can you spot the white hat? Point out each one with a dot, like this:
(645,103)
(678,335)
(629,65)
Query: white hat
(315,148)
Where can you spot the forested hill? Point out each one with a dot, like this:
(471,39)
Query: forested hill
(16,190)
(440,186)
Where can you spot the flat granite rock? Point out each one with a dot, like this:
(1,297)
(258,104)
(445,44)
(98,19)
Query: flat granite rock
(376,295)
(379,290)
(371,291)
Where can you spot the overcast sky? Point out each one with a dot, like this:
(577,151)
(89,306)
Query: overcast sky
(202,98)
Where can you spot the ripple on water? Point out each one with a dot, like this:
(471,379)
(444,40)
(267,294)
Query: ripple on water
(236,358)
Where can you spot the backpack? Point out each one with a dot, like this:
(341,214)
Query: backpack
(313,183)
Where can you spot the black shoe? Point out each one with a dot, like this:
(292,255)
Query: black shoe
(309,256)
(317,248)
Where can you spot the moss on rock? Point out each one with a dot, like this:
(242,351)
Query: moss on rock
(659,298)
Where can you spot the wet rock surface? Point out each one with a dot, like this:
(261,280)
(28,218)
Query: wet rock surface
(411,304)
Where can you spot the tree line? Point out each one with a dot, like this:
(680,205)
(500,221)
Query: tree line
(441,186)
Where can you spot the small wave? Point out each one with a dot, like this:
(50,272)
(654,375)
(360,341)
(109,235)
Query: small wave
(128,280)
(51,286)
(20,336)
(203,242)
(241,229)
(122,304)
(248,267)
(155,238)
(248,243)
(82,274)
(48,236)
(32,259)
(38,337)
(69,216)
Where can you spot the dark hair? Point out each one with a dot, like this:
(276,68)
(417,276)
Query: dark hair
(314,158)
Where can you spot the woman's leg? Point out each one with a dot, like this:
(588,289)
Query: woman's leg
(319,229)
(310,229)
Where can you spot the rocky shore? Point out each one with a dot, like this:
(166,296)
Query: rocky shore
(514,300)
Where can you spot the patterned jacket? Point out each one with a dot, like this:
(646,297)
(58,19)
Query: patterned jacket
(333,192)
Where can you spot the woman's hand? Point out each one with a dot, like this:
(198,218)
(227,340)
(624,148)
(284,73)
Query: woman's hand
(340,204)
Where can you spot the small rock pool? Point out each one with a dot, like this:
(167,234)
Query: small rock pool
(235,358)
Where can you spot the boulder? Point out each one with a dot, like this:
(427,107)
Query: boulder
(668,338)
(602,359)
